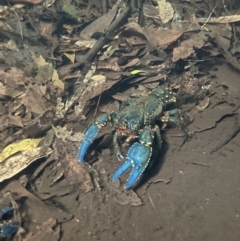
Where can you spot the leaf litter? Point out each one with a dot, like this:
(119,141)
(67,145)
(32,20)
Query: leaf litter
(52,86)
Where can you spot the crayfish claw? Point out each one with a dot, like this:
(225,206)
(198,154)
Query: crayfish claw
(5,211)
(10,227)
(138,158)
(123,168)
(90,135)
(120,157)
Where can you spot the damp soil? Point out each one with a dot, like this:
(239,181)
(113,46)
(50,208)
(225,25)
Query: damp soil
(190,194)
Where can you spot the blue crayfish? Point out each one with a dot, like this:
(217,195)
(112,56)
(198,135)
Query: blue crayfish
(136,120)
(7,228)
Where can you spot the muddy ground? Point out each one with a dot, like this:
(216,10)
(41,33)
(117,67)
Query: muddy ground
(200,202)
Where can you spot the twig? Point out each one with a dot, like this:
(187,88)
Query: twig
(210,15)
(108,36)
(20,27)
(95,176)
(210,5)
(224,6)
(105,6)
(228,56)
(200,164)
(152,203)
(98,103)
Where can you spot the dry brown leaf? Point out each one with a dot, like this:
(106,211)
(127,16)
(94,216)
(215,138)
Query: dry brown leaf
(66,136)
(74,169)
(135,34)
(70,56)
(131,63)
(49,230)
(166,11)
(56,81)
(101,24)
(15,120)
(187,48)
(12,82)
(126,197)
(108,64)
(4,122)
(46,29)
(86,43)
(182,53)
(81,96)
(34,100)
(2,89)
(167,37)
(224,31)
(203,104)
(120,96)
(110,106)
(41,63)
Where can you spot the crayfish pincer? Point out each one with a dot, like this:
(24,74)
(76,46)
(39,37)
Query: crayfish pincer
(7,228)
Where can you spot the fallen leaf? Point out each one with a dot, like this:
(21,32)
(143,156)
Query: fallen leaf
(110,106)
(86,43)
(136,35)
(49,230)
(41,63)
(167,37)
(35,101)
(56,81)
(66,136)
(74,169)
(101,24)
(166,11)
(203,104)
(12,82)
(38,60)
(109,64)
(126,197)
(15,120)
(70,56)
(187,47)
(24,145)
(18,162)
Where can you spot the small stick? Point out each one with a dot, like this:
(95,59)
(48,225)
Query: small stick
(152,203)
(210,5)
(200,164)
(95,113)
(108,36)
(210,15)
(105,6)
